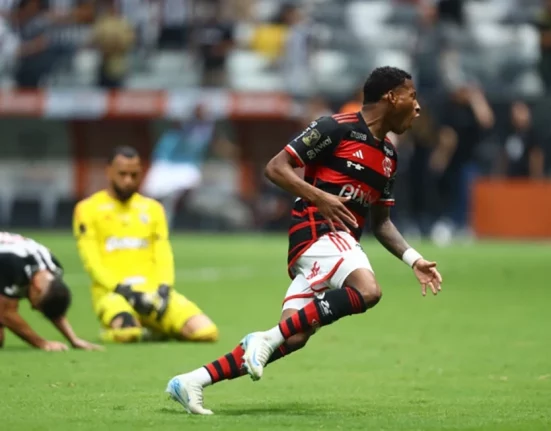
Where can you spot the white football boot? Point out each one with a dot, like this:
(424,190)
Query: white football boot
(257,353)
(189,393)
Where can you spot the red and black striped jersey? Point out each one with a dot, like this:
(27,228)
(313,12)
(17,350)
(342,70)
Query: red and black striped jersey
(340,156)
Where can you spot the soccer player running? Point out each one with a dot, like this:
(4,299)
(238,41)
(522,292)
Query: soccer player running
(123,243)
(350,168)
(28,270)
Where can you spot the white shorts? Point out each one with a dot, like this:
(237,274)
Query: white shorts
(164,178)
(324,265)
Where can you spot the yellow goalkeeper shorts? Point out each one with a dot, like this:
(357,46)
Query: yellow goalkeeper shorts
(178,312)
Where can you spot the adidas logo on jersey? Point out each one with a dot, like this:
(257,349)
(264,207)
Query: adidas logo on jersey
(359,154)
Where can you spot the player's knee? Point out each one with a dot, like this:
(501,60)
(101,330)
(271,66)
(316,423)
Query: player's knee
(371,294)
(208,333)
(298,341)
(123,320)
(200,328)
(364,282)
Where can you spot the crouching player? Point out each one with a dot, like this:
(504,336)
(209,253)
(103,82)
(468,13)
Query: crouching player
(29,271)
(123,243)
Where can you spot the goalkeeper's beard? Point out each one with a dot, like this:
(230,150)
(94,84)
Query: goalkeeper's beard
(122,195)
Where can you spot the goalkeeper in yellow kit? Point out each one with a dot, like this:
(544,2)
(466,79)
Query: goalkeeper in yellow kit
(123,243)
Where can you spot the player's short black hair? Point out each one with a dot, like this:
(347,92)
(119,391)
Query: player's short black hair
(56,300)
(126,151)
(381,81)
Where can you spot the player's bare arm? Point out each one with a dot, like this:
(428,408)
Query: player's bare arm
(390,238)
(385,231)
(11,319)
(281,171)
(64,327)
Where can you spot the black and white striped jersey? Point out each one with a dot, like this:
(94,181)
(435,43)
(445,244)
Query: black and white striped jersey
(20,259)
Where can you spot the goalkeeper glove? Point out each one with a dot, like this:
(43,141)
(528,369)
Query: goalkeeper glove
(140,302)
(159,300)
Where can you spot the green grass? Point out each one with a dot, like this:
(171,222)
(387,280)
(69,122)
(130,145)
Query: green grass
(477,357)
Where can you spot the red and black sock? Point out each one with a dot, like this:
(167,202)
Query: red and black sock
(324,311)
(279,353)
(227,367)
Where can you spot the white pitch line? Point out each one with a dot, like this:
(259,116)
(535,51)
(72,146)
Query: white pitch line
(200,275)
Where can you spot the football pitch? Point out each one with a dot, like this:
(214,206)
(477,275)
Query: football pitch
(477,357)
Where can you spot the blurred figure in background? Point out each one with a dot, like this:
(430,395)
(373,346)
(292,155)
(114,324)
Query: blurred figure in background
(177,161)
(175,23)
(466,118)
(36,56)
(269,38)
(421,196)
(213,39)
(9,42)
(71,20)
(521,155)
(114,37)
(297,53)
(543,23)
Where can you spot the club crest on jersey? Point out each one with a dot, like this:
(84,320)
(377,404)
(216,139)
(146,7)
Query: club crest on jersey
(387,167)
(144,218)
(311,137)
(314,272)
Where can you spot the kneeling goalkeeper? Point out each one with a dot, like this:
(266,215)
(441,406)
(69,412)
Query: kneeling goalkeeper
(123,242)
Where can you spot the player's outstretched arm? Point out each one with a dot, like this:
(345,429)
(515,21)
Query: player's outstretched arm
(11,319)
(62,324)
(390,237)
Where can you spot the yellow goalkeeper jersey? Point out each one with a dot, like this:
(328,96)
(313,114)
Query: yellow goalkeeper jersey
(123,242)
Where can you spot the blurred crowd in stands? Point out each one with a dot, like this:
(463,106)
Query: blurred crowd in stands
(482,68)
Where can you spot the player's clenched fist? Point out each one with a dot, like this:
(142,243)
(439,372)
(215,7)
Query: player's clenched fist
(334,210)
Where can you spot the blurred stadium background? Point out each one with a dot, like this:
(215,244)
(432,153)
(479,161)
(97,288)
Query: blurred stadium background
(208,91)
(222,85)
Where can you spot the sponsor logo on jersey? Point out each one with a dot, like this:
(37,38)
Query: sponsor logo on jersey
(359,136)
(144,218)
(11,290)
(356,166)
(126,243)
(319,148)
(357,194)
(388,151)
